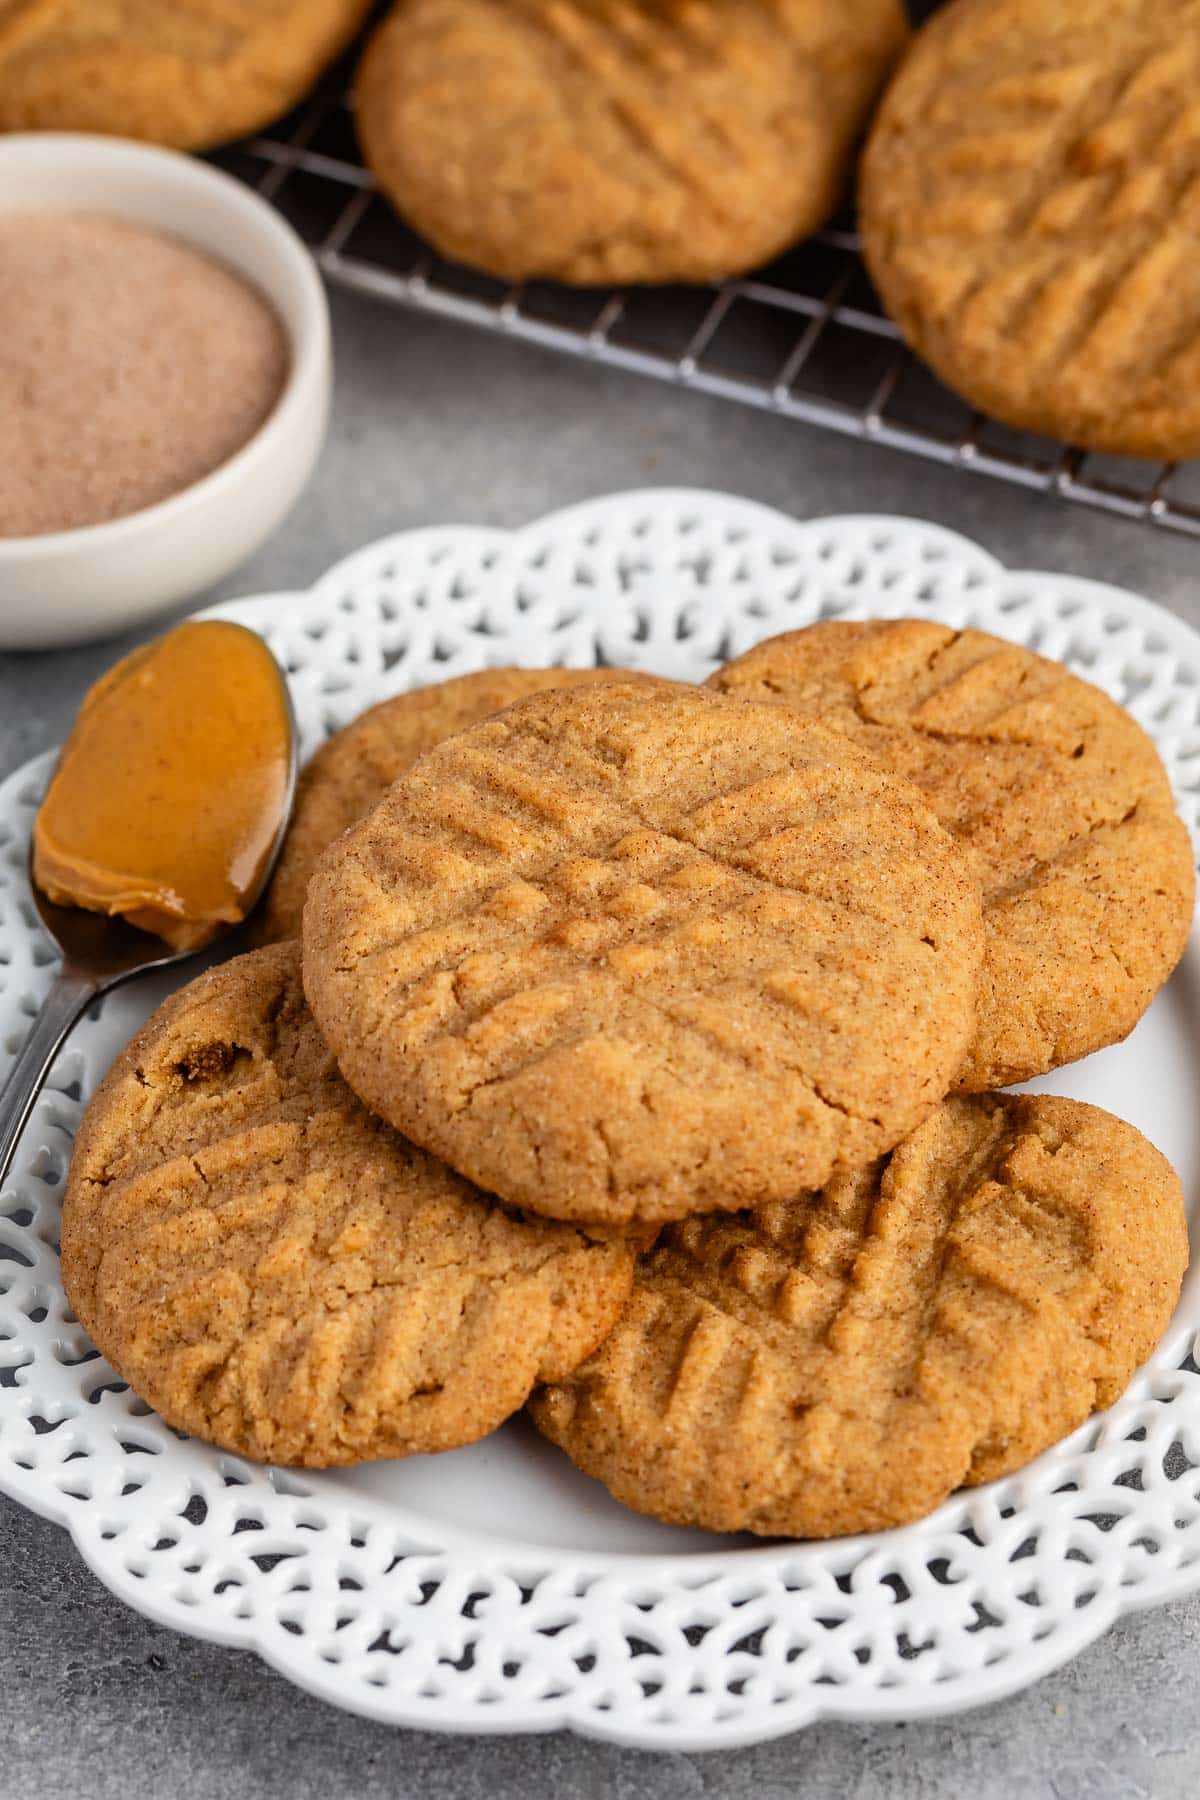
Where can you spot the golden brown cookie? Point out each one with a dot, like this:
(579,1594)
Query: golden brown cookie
(620,140)
(352,771)
(1057,797)
(278,1272)
(630,952)
(843,1361)
(1029,204)
(190,75)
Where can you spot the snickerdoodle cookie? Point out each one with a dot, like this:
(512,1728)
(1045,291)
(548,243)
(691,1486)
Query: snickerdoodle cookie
(630,952)
(843,1361)
(352,771)
(275,1270)
(1056,796)
(1030,200)
(189,75)
(620,140)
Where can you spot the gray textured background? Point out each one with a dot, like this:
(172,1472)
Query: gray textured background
(433,425)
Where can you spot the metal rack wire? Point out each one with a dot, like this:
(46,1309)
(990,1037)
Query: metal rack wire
(804,339)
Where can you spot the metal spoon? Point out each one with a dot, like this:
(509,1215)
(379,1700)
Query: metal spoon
(98,954)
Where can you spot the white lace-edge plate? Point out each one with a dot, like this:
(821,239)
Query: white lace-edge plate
(496,1589)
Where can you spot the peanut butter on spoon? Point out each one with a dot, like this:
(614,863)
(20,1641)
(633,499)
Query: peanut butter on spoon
(166,813)
(167,802)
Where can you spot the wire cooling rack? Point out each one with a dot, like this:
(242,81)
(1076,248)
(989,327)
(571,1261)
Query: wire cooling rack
(805,338)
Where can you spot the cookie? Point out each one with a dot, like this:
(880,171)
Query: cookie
(1028,202)
(352,771)
(1057,798)
(845,1360)
(278,1272)
(190,75)
(620,140)
(627,953)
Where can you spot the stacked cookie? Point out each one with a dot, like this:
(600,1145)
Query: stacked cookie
(641,1063)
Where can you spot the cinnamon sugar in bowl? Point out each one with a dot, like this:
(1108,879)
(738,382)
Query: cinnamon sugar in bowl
(167,401)
(132,366)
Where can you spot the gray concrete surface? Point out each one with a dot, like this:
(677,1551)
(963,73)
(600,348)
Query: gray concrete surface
(433,424)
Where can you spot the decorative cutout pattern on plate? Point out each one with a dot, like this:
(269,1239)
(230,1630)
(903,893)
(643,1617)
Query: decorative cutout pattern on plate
(332,1585)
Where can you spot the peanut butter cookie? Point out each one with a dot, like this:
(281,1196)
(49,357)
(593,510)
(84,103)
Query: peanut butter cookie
(630,952)
(278,1272)
(351,773)
(843,1361)
(190,75)
(620,140)
(1029,201)
(1055,794)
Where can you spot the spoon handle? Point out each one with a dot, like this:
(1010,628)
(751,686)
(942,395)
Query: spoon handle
(60,1009)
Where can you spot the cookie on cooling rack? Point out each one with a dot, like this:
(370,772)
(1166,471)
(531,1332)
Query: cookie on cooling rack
(595,141)
(278,1272)
(187,75)
(1028,204)
(1056,796)
(352,771)
(843,1361)
(630,952)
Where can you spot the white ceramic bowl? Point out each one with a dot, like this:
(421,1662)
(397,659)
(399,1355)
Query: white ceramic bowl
(67,586)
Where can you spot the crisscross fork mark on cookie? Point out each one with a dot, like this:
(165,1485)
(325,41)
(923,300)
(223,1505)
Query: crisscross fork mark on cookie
(842,1361)
(627,53)
(636,954)
(352,770)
